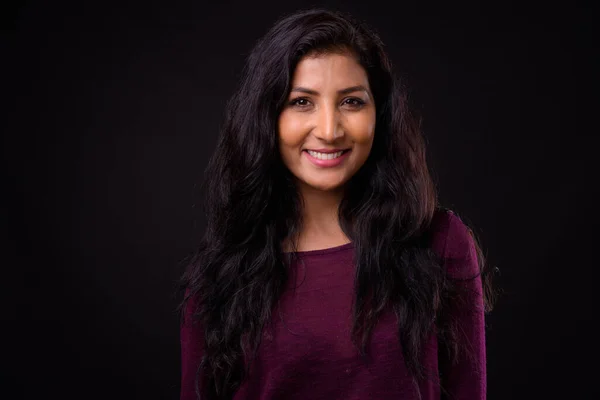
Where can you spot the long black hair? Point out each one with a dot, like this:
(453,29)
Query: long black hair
(251,204)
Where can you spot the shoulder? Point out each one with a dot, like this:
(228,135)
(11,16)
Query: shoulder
(452,240)
(448,232)
(190,304)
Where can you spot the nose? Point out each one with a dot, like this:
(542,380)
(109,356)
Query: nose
(328,125)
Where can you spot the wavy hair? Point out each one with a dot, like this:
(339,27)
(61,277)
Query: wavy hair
(251,204)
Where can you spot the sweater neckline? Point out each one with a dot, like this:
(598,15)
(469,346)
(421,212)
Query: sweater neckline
(328,250)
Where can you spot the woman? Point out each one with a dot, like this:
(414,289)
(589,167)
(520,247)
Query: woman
(328,270)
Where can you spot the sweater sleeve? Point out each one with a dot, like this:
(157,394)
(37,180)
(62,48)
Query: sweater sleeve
(192,339)
(465,379)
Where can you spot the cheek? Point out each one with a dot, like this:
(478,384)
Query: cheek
(363,128)
(291,132)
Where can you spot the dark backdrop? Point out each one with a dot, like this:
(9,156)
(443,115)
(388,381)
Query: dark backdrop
(111,110)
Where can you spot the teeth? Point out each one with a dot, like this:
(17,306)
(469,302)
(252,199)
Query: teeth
(325,156)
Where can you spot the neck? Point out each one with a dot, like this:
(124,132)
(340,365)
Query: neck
(320,221)
(320,211)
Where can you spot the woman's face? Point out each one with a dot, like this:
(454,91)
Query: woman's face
(330,109)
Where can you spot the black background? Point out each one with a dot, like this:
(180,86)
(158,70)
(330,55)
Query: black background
(112,108)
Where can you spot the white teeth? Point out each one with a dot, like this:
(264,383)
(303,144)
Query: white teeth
(325,156)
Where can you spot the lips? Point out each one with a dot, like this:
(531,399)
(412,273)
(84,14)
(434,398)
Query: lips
(326,162)
(327,151)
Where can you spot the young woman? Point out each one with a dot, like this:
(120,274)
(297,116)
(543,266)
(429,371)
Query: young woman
(328,270)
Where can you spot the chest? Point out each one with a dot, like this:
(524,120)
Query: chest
(307,351)
(311,325)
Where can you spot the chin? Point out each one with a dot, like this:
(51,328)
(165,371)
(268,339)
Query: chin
(325,186)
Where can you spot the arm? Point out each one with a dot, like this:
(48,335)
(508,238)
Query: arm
(465,379)
(192,339)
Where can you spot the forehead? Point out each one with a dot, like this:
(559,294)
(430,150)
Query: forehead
(329,70)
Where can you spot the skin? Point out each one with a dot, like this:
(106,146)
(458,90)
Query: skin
(330,105)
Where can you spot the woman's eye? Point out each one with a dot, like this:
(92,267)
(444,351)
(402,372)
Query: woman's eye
(301,102)
(354,102)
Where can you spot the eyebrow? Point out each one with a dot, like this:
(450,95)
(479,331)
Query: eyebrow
(358,88)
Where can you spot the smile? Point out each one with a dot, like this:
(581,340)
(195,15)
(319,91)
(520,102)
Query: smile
(325,160)
(325,156)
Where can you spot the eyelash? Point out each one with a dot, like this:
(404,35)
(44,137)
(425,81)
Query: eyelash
(359,103)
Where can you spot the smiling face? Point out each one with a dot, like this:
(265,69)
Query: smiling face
(330,108)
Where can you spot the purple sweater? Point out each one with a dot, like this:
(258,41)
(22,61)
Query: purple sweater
(308,354)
